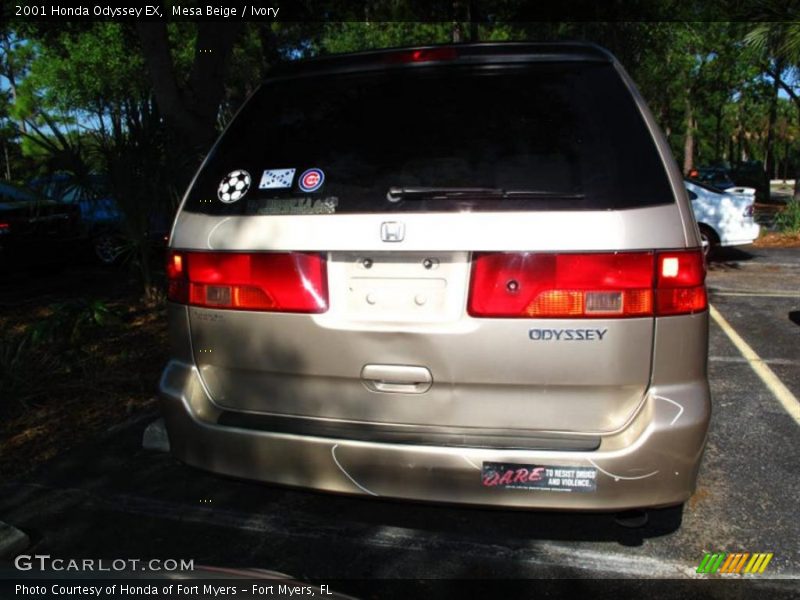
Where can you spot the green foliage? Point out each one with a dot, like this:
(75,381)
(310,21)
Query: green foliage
(356,36)
(88,106)
(788,220)
(30,360)
(70,322)
(90,70)
(86,93)
(780,38)
(22,366)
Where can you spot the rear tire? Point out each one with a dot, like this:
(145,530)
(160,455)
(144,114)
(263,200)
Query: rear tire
(666,519)
(108,248)
(662,520)
(632,519)
(709,239)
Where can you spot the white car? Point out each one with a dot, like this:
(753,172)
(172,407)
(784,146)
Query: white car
(725,217)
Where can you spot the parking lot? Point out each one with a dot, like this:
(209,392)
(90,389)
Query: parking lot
(114,499)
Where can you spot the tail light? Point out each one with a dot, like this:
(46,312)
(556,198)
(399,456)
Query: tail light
(423,55)
(748,212)
(624,284)
(680,283)
(277,282)
(4,228)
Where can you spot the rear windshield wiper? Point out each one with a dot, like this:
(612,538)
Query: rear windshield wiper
(396,194)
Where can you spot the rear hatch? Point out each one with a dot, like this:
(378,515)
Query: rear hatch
(456,242)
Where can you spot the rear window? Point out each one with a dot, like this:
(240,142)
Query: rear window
(558,136)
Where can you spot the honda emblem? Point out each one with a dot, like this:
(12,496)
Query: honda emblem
(392,231)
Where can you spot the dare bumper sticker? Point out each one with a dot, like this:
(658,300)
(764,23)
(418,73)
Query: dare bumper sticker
(536,477)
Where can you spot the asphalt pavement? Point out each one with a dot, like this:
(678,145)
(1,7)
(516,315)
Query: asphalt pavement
(114,499)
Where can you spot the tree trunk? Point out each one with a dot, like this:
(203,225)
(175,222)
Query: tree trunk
(769,161)
(269,48)
(688,143)
(11,75)
(456,32)
(786,160)
(8,164)
(796,195)
(190,112)
(473,22)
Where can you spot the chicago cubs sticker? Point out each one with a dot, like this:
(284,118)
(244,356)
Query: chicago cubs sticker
(273,179)
(233,186)
(536,477)
(311,180)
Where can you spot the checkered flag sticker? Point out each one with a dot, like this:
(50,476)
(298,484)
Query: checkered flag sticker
(276,178)
(233,186)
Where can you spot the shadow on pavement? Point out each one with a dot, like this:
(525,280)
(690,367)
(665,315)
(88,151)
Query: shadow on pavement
(114,499)
(730,254)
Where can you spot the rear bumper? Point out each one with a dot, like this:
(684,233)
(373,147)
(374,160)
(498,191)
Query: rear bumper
(739,236)
(652,461)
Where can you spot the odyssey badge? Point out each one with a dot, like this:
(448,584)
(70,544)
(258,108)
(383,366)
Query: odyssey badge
(567,335)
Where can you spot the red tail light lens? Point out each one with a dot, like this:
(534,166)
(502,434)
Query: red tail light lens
(278,282)
(680,283)
(177,280)
(5,228)
(423,55)
(587,285)
(561,285)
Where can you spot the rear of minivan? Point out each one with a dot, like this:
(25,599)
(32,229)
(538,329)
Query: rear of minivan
(458,273)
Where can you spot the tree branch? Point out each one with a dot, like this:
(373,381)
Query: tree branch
(786,87)
(193,112)
(207,79)
(155,47)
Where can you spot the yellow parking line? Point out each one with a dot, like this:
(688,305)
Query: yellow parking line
(748,294)
(767,375)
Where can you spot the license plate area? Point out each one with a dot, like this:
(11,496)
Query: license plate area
(398,287)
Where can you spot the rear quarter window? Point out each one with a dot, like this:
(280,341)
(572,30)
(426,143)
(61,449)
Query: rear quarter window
(543,136)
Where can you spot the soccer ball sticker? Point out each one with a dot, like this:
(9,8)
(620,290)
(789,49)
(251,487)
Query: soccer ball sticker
(233,186)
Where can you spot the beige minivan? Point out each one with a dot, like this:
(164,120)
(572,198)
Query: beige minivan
(462,274)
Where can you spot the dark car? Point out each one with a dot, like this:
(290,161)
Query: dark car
(746,174)
(717,177)
(100,214)
(34,229)
(752,174)
(107,236)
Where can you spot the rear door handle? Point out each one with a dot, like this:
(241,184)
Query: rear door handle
(396,379)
